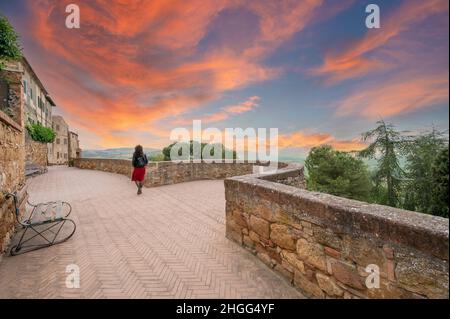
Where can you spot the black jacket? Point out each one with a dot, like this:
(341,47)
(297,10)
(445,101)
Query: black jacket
(136,160)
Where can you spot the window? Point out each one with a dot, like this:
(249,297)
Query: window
(25,87)
(65,156)
(57,141)
(57,127)
(65,141)
(57,155)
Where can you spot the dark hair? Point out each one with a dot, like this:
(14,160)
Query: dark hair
(138,151)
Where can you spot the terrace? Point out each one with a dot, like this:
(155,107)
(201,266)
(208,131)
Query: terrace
(256,235)
(168,243)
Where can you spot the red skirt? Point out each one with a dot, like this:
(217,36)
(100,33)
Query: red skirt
(138,174)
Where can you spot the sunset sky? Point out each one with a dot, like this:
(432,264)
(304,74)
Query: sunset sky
(137,69)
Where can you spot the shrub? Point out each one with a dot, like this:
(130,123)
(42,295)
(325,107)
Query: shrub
(9,42)
(41,133)
(157,158)
(337,173)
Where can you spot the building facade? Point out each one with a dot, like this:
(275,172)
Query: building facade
(38,103)
(74,146)
(59,149)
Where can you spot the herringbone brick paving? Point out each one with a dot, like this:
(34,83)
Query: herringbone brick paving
(167,243)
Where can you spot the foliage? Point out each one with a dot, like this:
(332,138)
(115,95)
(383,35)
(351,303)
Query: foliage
(41,133)
(157,157)
(10,49)
(419,186)
(386,146)
(225,152)
(439,176)
(337,173)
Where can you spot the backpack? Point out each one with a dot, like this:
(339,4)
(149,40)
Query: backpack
(141,161)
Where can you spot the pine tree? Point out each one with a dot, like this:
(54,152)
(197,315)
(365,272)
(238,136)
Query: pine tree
(440,176)
(386,146)
(422,152)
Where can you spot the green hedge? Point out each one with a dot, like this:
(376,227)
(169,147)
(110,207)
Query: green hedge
(41,133)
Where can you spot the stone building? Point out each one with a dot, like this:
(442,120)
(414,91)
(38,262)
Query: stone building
(37,108)
(37,102)
(59,153)
(74,146)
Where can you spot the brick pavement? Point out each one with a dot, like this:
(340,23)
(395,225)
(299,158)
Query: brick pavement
(167,243)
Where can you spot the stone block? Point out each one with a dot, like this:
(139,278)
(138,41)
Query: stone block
(311,289)
(332,252)
(260,226)
(327,237)
(311,253)
(293,261)
(283,236)
(347,274)
(328,285)
(263,209)
(363,251)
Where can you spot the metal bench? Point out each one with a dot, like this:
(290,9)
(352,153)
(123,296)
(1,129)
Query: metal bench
(46,225)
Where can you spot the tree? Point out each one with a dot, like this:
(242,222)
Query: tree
(440,176)
(225,152)
(337,173)
(10,49)
(422,152)
(386,146)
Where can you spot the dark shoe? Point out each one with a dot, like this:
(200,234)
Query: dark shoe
(139,192)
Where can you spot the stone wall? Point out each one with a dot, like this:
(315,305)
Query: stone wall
(322,243)
(12,155)
(35,154)
(165,173)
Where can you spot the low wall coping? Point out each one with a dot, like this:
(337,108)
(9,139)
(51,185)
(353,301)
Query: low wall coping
(424,232)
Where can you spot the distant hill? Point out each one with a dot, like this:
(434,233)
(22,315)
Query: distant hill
(117,153)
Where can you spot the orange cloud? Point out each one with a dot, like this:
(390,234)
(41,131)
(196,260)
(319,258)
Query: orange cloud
(134,63)
(225,113)
(354,61)
(405,93)
(246,106)
(304,140)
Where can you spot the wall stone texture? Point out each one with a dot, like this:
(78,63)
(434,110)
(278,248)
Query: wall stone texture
(165,173)
(12,156)
(322,244)
(35,154)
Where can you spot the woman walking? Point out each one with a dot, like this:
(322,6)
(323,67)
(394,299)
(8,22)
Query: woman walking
(139,162)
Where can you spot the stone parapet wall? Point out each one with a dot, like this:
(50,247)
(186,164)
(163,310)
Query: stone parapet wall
(36,154)
(322,243)
(12,154)
(165,173)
